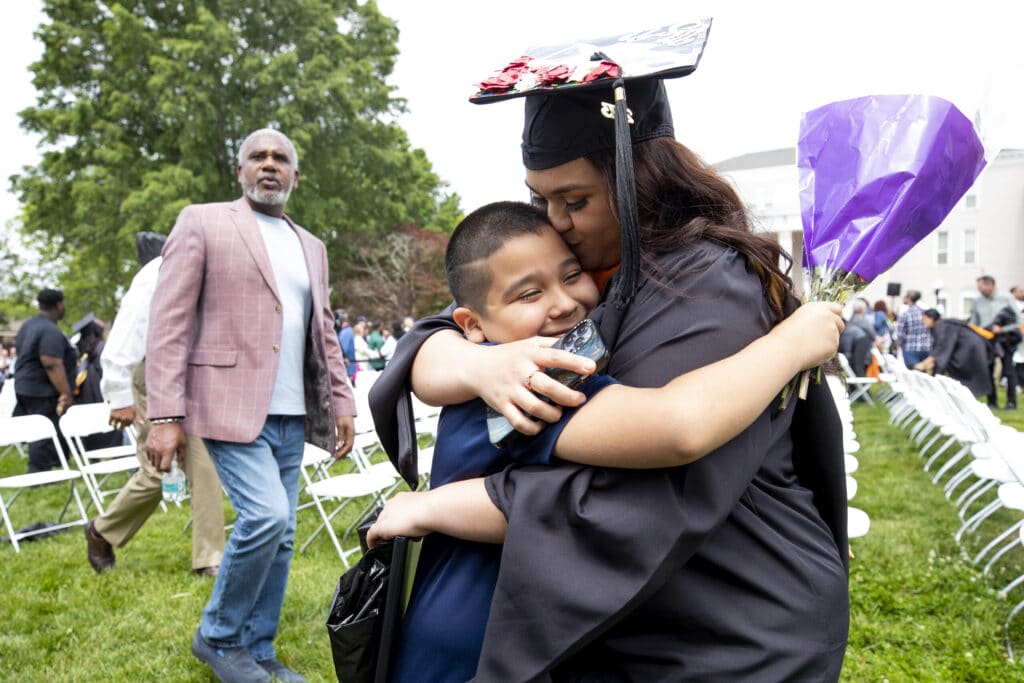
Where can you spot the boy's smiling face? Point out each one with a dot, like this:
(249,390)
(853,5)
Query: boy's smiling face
(537,288)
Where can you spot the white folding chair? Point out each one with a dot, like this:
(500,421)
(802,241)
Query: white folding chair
(8,401)
(98,464)
(857,521)
(1016,608)
(858,386)
(363,419)
(365,482)
(24,430)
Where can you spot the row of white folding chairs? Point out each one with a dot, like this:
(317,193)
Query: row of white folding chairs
(92,466)
(858,521)
(21,431)
(97,465)
(364,484)
(978,460)
(8,401)
(857,388)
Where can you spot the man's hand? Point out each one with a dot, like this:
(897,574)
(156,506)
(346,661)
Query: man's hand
(64,401)
(166,441)
(346,436)
(121,418)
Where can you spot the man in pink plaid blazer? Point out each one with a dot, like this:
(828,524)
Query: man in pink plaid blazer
(242,352)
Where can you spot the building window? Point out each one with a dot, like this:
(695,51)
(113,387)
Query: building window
(970,246)
(970,201)
(967,302)
(942,253)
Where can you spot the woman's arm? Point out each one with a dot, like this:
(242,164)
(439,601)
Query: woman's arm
(703,409)
(673,425)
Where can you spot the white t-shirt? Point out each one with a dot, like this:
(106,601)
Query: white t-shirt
(292,279)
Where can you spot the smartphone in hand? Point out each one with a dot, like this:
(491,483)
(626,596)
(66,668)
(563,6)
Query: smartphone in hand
(583,340)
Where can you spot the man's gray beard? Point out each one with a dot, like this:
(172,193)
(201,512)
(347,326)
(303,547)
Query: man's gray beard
(279,198)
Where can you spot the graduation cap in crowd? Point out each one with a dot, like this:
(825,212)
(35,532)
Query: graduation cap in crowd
(83,323)
(148,246)
(596,95)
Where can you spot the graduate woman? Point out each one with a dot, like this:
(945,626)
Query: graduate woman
(732,568)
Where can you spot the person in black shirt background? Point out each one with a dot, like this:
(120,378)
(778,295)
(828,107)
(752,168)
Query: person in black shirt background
(44,373)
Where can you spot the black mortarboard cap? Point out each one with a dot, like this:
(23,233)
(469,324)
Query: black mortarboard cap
(84,322)
(596,95)
(560,129)
(148,246)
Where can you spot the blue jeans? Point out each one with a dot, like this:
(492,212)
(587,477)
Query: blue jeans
(912,358)
(262,482)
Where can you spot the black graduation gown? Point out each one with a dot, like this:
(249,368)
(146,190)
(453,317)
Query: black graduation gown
(963,354)
(733,568)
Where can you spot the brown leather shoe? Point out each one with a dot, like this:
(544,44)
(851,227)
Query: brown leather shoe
(101,553)
(206,571)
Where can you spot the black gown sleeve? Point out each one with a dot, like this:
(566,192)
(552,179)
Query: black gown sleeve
(390,397)
(943,345)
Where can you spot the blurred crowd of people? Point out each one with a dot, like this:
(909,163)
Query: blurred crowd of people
(983,351)
(50,372)
(367,345)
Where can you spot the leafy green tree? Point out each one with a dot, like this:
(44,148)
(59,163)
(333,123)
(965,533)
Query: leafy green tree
(142,105)
(25,272)
(390,277)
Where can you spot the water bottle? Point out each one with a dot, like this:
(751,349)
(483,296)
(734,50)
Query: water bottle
(174,484)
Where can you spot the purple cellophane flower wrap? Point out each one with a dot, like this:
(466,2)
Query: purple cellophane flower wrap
(877,174)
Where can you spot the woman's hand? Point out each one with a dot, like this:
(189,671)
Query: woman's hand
(507,376)
(515,378)
(813,331)
(449,369)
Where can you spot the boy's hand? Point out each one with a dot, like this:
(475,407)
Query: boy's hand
(813,331)
(400,516)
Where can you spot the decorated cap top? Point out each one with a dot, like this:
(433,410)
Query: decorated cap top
(602,94)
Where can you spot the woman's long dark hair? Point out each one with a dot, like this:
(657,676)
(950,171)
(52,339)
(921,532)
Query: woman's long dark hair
(681,200)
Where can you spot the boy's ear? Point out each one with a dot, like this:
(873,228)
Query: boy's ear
(469,321)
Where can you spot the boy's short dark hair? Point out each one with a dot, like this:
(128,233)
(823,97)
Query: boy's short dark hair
(476,238)
(932,313)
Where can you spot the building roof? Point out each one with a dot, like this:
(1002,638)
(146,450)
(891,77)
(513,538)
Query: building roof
(787,157)
(772,157)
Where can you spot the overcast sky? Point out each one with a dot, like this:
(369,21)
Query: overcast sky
(765,63)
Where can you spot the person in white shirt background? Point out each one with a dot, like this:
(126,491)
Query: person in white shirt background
(124,388)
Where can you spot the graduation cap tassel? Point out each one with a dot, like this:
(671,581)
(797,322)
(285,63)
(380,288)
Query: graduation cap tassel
(629,267)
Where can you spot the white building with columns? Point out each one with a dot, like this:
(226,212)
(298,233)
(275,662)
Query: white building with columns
(983,234)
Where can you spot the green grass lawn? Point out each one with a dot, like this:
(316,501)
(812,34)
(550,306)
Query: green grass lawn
(920,610)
